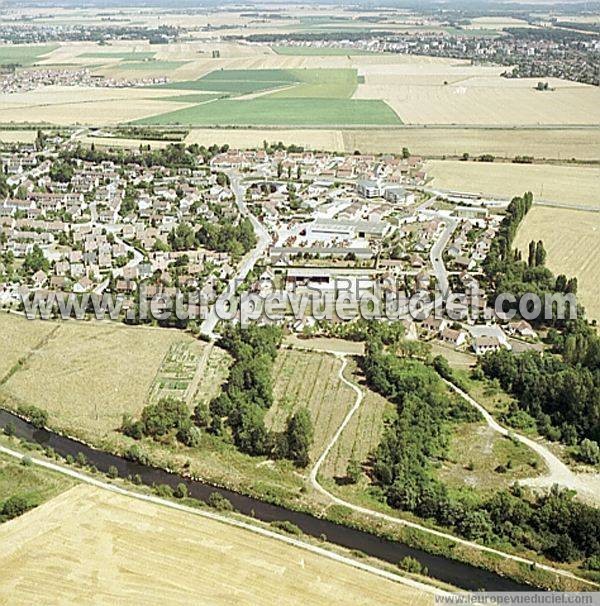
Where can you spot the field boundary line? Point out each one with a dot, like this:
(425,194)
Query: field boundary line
(388,518)
(231,522)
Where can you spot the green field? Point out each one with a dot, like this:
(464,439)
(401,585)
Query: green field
(24,54)
(321,83)
(240,81)
(192,98)
(151,65)
(124,56)
(268,111)
(309,51)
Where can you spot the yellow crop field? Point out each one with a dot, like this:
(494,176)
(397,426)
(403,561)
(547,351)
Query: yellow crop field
(583,144)
(17,136)
(90,545)
(576,185)
(18,337)
(572,240)
(87,375)
(253,138)
(441,93)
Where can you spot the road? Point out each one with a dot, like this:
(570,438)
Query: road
(248,262)
(587,485)
(436,255)
(314,480)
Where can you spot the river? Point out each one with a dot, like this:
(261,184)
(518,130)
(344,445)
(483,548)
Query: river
(447,570)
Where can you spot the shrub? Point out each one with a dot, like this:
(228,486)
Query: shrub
(15,506)
(164,491)
(217,501)
(113,472)
(181,492)
(410,564)
(286,526)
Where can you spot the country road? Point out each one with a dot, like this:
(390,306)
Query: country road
(314,480)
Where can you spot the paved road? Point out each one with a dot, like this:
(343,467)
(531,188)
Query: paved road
(208,326)
(436,253)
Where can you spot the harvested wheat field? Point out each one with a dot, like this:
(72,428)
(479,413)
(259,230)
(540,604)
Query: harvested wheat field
(572,185)
(18,337)
(87,375)
(17,136)
(560,144)
(90,546)
(253,138)
(572,240)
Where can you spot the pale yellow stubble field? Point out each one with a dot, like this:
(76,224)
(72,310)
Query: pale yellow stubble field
(90,545)
(574,185)
(572,240)
(583,144)
(443,92)
(88,374)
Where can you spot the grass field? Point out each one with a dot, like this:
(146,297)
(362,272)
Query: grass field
(572,240)
(310,380)
(86,376)
(24,54)
(155,66)
(31,483)
(480,458)
(320,83)
(89,545)
(265,111)
(577,185)
(237,81)
(192,98)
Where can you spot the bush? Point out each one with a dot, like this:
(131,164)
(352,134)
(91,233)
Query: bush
(410,564)
(286,526)
(589,452)
(164,491)
(9,429)
(217,501)
(113,472)
(36,416)
(15,506)
(181,492)
(26,461)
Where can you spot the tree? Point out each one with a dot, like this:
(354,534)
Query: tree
(589,452)
(299,437)
(540,254)
(61,171)
(181,492)
(353,471)
(35,261)
(113,472)
(405,153)
(15,506)
(531,257)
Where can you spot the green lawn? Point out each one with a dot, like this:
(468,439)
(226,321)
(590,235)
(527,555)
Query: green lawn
(24,54)
(309,51)
(269,111)
(322,83)
(123,56)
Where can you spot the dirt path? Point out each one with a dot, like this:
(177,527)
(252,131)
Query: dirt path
(314,473)
(587,485)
